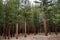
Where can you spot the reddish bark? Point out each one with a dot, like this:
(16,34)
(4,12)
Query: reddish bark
(17,30)
(25,26)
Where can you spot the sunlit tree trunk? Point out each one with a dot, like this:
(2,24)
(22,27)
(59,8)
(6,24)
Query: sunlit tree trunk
(16,30)
(17,19)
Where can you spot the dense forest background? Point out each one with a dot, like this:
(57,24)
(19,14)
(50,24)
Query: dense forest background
(20,16)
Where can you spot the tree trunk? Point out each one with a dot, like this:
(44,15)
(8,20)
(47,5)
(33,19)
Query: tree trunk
(4,31)
(9,25)
(56,30)
(25,26)
(45,25)
(34,30)
(44,17)
(17,30)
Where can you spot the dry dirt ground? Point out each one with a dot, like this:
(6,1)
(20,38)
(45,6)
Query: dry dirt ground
(35,37)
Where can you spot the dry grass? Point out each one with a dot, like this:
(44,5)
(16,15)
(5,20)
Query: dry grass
(39,36)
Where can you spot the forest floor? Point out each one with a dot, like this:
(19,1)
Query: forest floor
(39,36)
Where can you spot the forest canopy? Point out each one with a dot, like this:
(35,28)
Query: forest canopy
(20,16)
